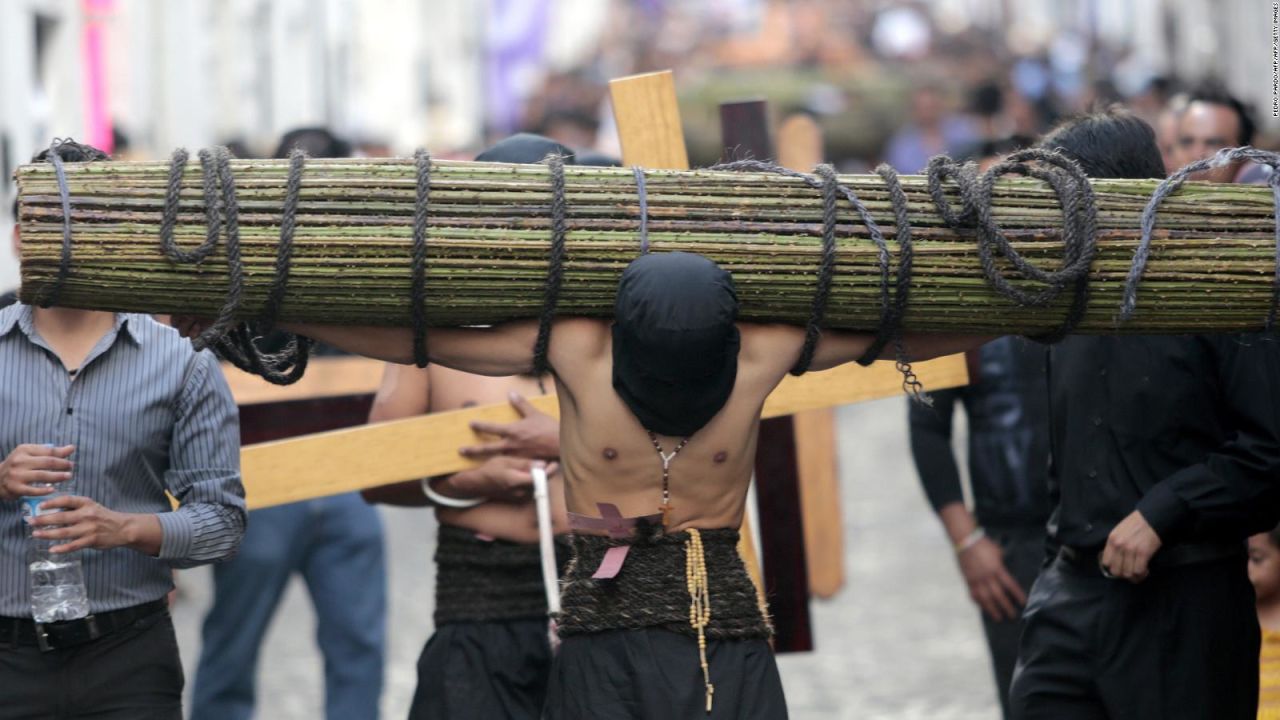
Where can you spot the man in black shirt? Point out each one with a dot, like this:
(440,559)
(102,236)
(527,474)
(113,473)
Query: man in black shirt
(1166,457)
(1000,545)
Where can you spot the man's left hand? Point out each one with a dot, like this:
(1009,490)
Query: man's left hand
(84,523)
(536,435)
(1130,547)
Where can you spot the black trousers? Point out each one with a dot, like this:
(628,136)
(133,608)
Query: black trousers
(131,674)
(1023,555)
(655,674)
(1183,643)
(495,670)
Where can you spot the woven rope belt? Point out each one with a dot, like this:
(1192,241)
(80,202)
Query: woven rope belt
(652,589)
(486,580)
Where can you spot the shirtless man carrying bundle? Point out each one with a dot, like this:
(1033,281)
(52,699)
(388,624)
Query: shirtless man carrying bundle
(659,410)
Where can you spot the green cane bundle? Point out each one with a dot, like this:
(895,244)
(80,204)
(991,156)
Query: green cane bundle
(1212,263)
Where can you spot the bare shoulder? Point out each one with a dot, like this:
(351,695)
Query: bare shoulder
(575,338)
(405,391)
(770,345)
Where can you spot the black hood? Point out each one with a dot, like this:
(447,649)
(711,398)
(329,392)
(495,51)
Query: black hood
(525,148)
(675,341)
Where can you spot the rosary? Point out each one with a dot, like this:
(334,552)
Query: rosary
(665,507)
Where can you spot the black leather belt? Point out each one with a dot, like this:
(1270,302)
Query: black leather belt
(1089,560)
(54,636)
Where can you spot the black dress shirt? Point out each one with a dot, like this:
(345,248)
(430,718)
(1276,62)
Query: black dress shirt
(1008,410)
(1184,429)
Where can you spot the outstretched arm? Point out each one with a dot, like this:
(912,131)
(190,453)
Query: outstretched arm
(838,347)
(500,350)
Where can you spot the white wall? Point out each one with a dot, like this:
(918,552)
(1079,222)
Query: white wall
(198,72)
(38,100)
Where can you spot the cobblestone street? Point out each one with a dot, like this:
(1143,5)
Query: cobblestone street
(901,642)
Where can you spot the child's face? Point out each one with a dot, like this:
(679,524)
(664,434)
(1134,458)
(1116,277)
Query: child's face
(1264,567)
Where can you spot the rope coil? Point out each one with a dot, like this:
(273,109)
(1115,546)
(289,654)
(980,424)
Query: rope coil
(1079,228)
(232,340)
(1166,187)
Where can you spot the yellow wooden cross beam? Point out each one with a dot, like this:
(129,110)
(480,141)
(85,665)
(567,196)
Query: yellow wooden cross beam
(340,461)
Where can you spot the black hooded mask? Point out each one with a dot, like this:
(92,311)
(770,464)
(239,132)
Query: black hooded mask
(675,341)
(525,148)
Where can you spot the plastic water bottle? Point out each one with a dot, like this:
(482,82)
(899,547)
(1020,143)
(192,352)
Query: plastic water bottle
(57,584)
(57,580)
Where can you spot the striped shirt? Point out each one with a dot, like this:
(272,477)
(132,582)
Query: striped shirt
(147,414)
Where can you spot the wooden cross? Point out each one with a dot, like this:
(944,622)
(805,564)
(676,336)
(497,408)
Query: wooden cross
(305,466)
(744,134)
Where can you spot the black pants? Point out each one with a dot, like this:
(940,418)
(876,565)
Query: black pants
(1183,643)
(1023,555)
(655,674)
(494,670)
(131,674)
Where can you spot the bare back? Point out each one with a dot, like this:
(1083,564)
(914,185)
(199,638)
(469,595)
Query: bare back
(608,456)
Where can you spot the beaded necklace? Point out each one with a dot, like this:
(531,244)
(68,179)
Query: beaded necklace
(665,507)
(696,580)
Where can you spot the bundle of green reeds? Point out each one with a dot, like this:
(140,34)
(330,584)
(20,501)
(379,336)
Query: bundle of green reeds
(1212,265)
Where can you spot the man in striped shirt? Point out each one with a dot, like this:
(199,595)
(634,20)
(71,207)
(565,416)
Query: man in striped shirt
(119,412)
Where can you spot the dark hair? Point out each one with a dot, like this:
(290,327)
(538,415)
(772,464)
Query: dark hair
(1213,93)
(316,142)
(1274,536)
(70,151)
(986,100)
(1113,143)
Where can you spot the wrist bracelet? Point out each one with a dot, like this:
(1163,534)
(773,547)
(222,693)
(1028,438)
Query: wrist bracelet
(446,501)
(970,540)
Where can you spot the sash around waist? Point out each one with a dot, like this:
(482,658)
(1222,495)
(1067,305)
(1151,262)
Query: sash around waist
(651,589)
(486,580)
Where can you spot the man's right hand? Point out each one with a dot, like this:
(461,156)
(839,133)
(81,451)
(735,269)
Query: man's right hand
(503,478)
(990,584)
(34,464)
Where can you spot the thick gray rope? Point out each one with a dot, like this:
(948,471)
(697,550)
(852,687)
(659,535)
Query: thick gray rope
(64,263)
(892,325)
(235,341)
(284,251)
(826,269)
(643,195)
(418,265)
(1079,228)
(821,295)
(892,309)
(555,268)
(1223,157)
